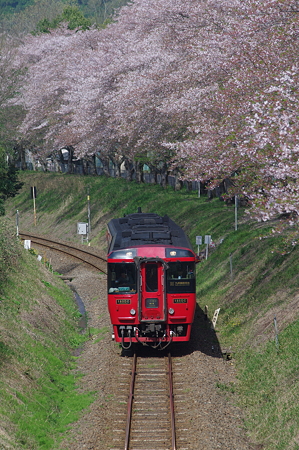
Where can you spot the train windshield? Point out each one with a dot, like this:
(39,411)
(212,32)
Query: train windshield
(122,278)
(181,277)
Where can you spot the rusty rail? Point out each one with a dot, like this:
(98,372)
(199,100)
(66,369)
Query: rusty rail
(130,402)
(68,249)
(132,396)
(171,398)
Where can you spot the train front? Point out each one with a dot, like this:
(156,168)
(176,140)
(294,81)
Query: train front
(151,294)
(151,280)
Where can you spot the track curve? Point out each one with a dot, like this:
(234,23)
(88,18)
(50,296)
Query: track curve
(89,257)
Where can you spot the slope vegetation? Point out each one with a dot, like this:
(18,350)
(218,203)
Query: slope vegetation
(38,330)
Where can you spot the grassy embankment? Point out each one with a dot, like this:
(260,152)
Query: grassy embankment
(38,329)
(252,276)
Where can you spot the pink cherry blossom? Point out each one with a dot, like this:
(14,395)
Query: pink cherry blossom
(207,89)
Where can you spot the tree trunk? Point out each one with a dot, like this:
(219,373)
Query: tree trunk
(105,162)
(164,176)
(70,168)
(21,157)
(55,165)
(84,166)
(117,165)
(153,174)
(91,164)
(178,184)
(130,170)
(189,186)
(139,171)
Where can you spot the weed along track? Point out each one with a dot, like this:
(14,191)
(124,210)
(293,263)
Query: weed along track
(95,260)
(147,422)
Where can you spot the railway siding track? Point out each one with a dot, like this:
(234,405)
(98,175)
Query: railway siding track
(149,423)
(89,257)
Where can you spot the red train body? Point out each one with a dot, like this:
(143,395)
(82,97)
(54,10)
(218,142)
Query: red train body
(151,280)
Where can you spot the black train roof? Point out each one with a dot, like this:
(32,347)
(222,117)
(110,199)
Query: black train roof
(145,229)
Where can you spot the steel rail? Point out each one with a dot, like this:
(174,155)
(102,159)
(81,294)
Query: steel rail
(43,243)
(130,402)
(131,399)
(61,243)
(171,398)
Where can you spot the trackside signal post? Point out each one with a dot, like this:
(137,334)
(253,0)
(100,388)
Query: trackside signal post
(88,210)
(82,228)
(33,195)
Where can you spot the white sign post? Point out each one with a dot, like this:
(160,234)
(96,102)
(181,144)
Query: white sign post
(198,243)
(208,239)
(82,228)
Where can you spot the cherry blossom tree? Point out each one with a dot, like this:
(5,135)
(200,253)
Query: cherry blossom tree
(10,81)
(207,89)
(104,71)
(254,132)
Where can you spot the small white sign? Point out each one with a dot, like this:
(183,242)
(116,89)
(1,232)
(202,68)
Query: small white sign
(82,228)
(215,317)
(198,240)
(27,244)
(207,239)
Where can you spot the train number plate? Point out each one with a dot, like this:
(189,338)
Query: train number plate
(180,300)
(123,301)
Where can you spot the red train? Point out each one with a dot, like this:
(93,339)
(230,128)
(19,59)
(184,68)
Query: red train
(151,280)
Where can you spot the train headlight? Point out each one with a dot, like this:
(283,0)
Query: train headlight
(132,312)
(171,311)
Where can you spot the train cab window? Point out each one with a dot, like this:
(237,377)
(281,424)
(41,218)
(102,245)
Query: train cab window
(151,277)
(121,278)
(181,277)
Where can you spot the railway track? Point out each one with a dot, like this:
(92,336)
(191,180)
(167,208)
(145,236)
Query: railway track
(150,414)
(91,258)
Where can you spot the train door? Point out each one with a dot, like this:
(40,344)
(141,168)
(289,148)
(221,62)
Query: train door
(152,299)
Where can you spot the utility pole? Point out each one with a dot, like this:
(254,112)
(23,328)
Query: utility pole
(88,210)
(17,222)
(33,194)
(236,212)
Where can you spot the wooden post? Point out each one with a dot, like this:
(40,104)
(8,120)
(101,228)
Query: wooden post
(206,312)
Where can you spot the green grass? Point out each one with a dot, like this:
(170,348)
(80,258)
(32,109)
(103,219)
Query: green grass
(38,381)
(269,387)
(41,416)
